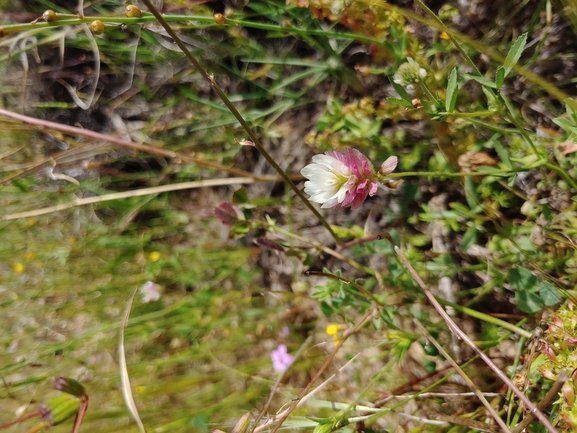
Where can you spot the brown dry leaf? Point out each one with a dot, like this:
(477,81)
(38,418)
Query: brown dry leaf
(469,161)
(567,147)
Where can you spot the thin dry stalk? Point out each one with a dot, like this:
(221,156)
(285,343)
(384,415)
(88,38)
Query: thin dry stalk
(455,329)
(128,194)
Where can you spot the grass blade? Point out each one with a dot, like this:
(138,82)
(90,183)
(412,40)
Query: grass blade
(451,91)
(125,380)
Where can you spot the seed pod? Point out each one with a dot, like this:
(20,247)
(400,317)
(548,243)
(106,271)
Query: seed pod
(49,16)
(133,11)
(97,27)
(220,19)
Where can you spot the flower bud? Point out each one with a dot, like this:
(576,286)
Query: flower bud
(97,27)
(133,11)
(568,393)
(388,166)
(59,409)
(393,184)
(70,386)
(220,19)
(50,16)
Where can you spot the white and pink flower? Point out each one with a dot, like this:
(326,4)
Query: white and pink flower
(341,179)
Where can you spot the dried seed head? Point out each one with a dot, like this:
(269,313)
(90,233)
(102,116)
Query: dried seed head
(133,11)
(50,16)
(97,27)
(220,19)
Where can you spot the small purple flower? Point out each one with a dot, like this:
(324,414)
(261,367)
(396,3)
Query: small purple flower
(281,359)
(340,179)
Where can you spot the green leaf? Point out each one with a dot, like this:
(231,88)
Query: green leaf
(529,302)
(500,77)
(481,80)
(515,53)
(401,91)
(401,102)
(469,238)
(451,98)
(549,294)
(563,123)
(523,280)
(503,153)
(471,195)
(240,196)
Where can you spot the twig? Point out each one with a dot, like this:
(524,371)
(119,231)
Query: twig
(110,139)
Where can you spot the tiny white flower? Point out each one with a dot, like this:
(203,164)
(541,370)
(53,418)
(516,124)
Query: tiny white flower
(150,292)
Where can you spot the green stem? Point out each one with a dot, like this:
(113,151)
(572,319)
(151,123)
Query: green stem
(432,97)
(491,127)
(515,121)
(562,173)
(208,21)
(486,318)
(485,113)
(212,81)
(457,174)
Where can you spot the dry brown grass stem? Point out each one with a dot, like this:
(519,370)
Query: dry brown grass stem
(128,194)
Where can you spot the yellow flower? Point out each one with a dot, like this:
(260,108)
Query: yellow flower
(18,267)
(333,331)
(154,256)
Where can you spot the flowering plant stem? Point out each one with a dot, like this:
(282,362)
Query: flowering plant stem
(463,336)
(212,82)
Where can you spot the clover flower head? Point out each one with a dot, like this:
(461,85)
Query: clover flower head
(281,359)
(409,74)
(340,179)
